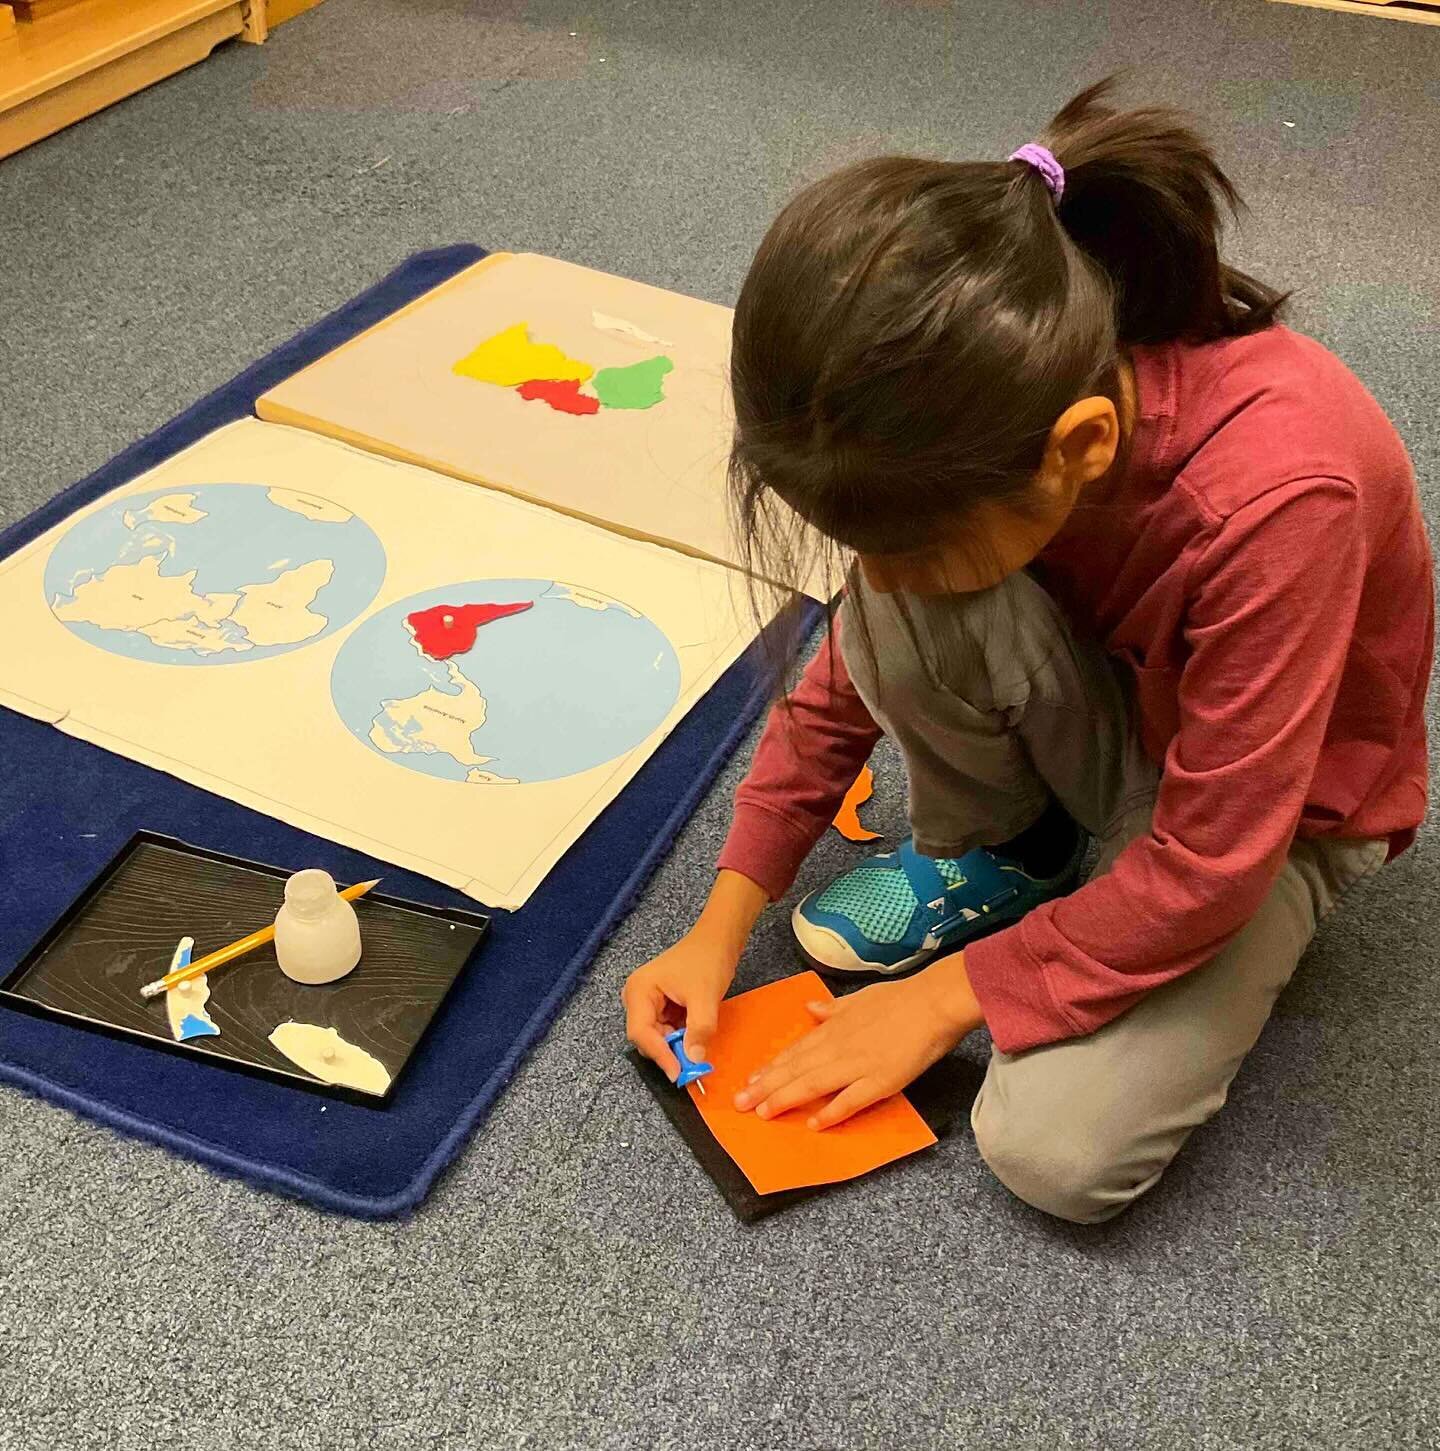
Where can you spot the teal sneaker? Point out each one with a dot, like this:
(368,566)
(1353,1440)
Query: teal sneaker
(896,912)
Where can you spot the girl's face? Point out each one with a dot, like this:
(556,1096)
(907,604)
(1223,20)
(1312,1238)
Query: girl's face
(996,538)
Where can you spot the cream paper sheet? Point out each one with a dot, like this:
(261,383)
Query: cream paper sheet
(655,473)
(234,688)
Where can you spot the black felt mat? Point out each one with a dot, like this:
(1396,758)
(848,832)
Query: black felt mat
(942,1097)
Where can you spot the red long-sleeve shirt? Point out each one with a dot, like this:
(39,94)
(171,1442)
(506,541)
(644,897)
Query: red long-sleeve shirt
(1261,568)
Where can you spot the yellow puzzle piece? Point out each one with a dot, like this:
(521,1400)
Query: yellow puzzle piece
(510,358)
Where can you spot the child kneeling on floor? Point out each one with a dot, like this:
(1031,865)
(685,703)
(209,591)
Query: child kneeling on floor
(1131,560)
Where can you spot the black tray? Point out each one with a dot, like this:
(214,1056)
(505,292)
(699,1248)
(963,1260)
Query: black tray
(89,967)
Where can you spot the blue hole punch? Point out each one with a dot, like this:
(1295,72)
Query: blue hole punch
(690,1071)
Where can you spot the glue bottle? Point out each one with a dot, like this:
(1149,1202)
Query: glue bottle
(317,934)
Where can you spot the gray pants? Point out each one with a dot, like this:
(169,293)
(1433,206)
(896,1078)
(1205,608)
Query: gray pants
(996,707)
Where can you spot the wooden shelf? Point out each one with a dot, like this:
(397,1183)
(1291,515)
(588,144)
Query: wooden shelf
(74,60)
(38,9)
(1420,12)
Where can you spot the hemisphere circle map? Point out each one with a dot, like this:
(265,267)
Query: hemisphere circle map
(504,681)
(213,574)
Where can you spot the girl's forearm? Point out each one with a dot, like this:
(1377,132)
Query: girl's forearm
(813,747)
(731,911)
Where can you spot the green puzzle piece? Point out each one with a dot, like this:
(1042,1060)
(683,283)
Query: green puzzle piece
(640,385)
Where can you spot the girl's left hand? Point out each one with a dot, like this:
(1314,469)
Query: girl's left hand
(868,1045)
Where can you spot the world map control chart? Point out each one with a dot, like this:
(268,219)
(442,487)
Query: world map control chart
(446,677)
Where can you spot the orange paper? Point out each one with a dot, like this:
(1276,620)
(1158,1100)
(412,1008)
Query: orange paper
(782,1153)
(847,819)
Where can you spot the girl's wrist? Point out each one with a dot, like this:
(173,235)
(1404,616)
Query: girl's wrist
(954,999)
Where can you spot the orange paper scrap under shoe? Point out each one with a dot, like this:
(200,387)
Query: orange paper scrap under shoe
(847,819)
(783,1153)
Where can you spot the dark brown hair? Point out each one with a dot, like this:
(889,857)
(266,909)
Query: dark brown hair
(910,330)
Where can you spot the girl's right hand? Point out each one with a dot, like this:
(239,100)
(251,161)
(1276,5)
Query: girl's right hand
(683,987)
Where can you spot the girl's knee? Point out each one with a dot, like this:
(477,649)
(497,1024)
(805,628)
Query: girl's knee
(991,648)
(1058,1166)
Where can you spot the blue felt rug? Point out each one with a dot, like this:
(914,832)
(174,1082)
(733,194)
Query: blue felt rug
(68,807)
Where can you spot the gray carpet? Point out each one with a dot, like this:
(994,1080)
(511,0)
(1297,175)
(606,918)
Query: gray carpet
(575,1281)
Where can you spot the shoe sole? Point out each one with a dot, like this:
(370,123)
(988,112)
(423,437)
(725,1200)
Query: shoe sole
(847,964)
(827,951)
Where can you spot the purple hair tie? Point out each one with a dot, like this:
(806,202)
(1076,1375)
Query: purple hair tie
(1043,161)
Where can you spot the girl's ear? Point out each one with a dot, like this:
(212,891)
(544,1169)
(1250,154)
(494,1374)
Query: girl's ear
(1082,446)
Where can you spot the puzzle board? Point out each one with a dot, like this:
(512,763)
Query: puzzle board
(593,394)
(442,676)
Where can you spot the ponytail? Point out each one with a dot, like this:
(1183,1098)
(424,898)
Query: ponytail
(1145,199)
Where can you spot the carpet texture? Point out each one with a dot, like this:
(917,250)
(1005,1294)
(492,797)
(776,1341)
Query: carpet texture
(575,1281)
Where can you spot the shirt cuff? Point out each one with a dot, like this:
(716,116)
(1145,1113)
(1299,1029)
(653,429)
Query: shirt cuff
(766,847)
(1010,985)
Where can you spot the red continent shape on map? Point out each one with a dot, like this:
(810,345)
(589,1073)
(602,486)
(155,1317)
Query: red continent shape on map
(562,394)
(446,630)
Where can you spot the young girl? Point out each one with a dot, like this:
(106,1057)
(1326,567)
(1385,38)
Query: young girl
(1131,559)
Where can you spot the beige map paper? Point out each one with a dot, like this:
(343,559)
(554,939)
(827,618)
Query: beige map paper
(654,472)
(500,671)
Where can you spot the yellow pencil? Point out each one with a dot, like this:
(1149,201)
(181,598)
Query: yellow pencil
(236,949)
